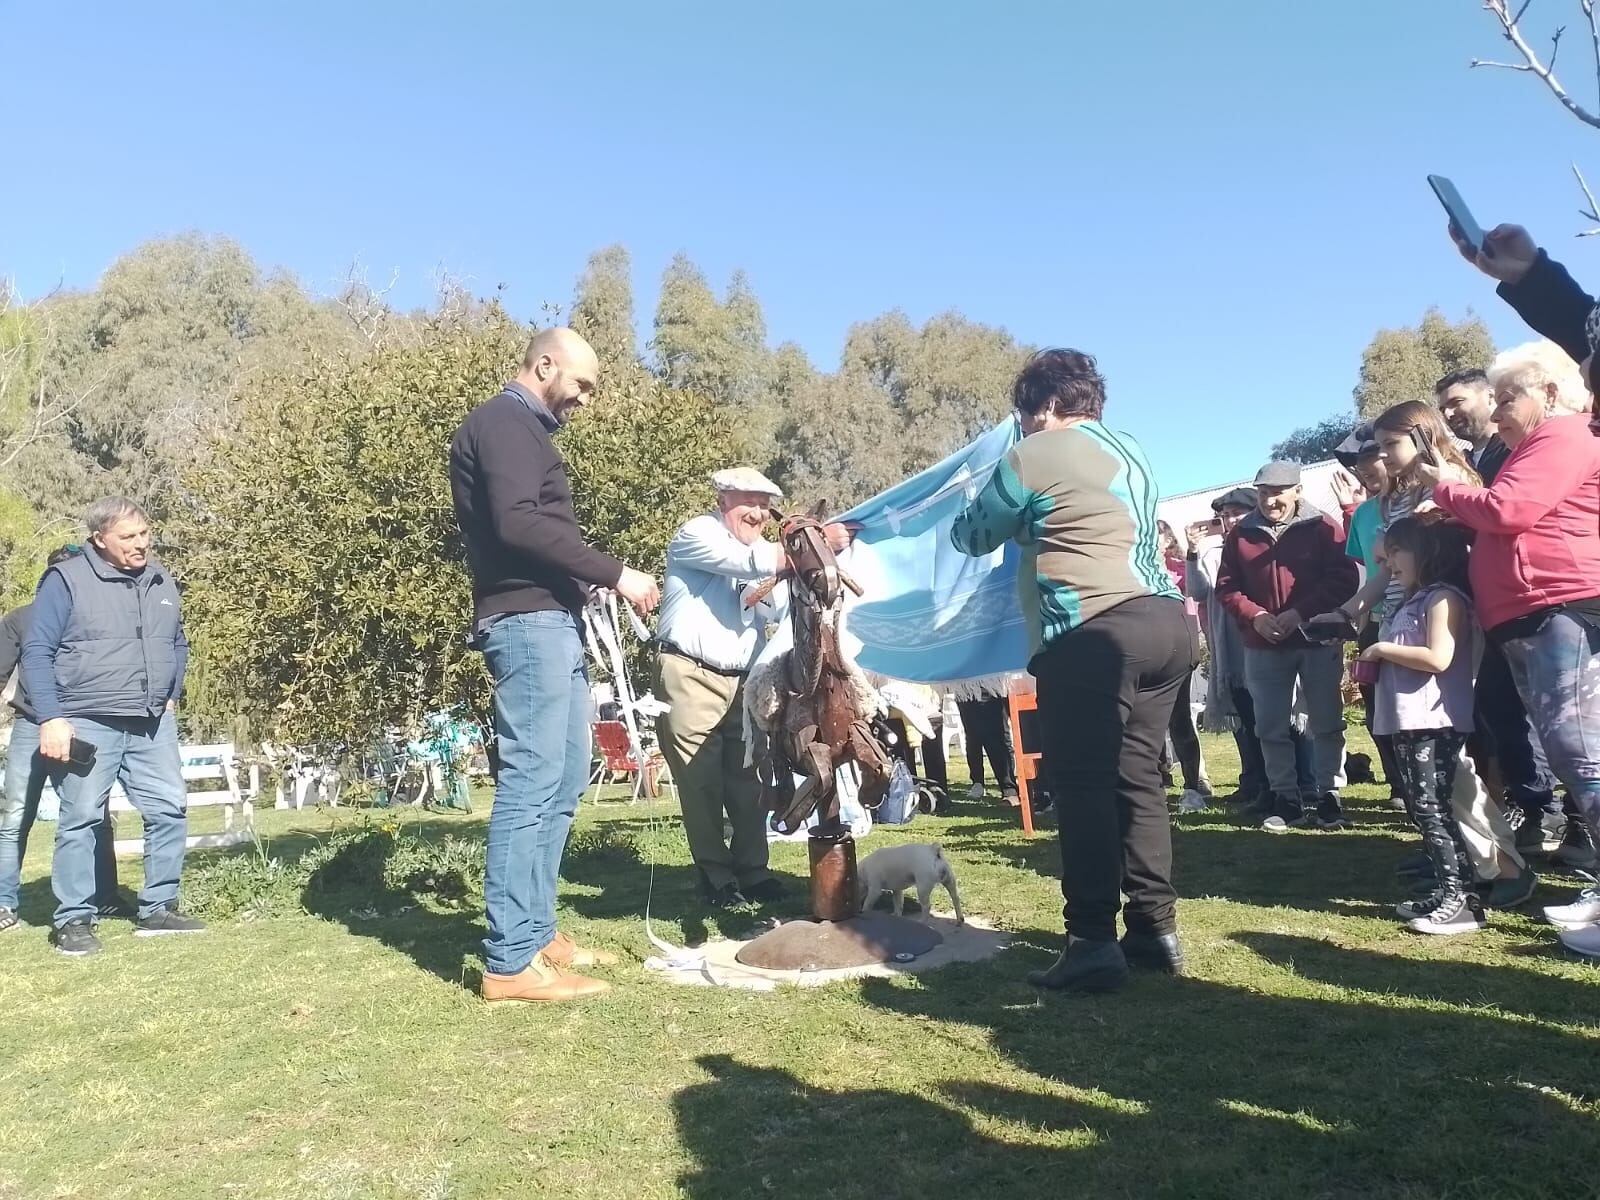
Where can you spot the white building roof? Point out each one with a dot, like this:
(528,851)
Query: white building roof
(1186,508)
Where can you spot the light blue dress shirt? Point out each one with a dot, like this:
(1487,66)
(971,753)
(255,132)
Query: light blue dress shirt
(703,612)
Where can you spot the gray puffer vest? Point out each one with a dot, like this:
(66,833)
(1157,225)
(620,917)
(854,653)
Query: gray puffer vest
(118,655)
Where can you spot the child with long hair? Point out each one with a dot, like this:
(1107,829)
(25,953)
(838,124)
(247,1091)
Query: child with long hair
(1424,701)
(1408,435)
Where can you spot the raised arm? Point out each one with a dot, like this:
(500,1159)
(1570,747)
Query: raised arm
(708,546)
(1530,485)
(1003,510)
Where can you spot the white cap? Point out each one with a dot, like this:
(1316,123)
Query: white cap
(745,479)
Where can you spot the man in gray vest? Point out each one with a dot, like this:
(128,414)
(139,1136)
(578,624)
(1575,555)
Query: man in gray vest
(103,664)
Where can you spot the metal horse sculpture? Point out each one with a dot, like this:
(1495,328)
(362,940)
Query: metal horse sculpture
(823,704)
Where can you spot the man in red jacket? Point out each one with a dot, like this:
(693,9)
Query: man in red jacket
(1283,563)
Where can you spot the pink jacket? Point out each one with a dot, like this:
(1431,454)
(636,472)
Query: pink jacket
(1538,527)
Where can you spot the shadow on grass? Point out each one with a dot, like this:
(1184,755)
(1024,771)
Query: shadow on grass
(755,1129)
(436,932)
(1219,857)
(1404,1085)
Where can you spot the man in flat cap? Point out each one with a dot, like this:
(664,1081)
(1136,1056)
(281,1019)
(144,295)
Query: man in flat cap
(708,638)
(1280,565)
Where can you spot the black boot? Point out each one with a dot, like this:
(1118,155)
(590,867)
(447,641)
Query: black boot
(1084,966)
(1160,951)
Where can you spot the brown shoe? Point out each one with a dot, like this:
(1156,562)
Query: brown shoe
(540,982)
(566,954)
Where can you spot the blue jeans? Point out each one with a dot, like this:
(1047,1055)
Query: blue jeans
(1271,675)
(142,754)
(1557,672)
(541,717)
(19,806)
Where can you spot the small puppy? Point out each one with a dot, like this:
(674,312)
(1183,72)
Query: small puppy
(896,868)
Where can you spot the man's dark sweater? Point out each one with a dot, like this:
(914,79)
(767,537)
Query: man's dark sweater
(514,505)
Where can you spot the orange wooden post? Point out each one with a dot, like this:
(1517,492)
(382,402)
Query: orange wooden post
(1027,764)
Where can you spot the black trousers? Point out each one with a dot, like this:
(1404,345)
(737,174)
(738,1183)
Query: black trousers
(1186,738)
(1106,692)
(932,752)
(1503,723)
(983,722)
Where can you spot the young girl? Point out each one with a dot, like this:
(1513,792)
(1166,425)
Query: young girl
(1407,435)
(1424,702)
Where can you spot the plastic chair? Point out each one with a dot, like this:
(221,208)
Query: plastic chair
(618,758)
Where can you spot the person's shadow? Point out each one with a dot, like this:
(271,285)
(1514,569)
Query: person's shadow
(437,929)
(1363,1073)
(755,1130)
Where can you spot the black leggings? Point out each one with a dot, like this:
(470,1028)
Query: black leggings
(1427,762)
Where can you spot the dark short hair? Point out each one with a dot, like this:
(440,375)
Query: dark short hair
(1464,375)
(1064,382)
(1440,548)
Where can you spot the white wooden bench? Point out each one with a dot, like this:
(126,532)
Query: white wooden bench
(200,763)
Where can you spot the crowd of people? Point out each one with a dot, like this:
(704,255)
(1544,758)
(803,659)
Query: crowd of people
(1464,566)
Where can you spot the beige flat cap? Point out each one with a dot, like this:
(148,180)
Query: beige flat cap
(745,479)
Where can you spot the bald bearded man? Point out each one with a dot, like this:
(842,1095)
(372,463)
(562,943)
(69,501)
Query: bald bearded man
(531,573)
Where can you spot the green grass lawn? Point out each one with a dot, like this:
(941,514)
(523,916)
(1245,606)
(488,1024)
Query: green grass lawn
(1316,1050)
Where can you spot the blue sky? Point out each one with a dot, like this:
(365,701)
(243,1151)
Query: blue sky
(1222,201)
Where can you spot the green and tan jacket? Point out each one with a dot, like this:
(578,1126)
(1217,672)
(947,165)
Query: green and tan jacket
(1081,502)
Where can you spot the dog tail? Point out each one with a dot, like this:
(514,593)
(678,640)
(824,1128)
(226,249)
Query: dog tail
(938,851)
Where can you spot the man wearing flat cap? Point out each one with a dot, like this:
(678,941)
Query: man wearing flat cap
(708,638)
(1281,565)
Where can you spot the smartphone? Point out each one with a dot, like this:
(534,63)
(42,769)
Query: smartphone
(1460,214)
(1424,448)
(80,753)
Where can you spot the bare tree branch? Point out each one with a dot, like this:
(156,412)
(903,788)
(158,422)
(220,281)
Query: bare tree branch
(1513,34)
(1594,37)
(1593,211)
(41,409)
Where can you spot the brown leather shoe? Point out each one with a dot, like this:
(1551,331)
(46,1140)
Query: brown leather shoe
(540,982)
(566,953)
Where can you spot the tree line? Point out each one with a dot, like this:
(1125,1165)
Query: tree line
(291,450)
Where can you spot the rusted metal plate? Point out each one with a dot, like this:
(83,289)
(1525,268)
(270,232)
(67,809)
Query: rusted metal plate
(831,945)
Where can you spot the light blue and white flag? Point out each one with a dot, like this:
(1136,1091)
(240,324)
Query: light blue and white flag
(930,613)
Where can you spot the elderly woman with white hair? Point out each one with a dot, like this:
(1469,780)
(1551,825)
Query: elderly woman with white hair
(1535,573)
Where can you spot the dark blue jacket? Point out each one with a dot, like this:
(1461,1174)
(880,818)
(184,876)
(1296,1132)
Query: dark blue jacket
(104,642)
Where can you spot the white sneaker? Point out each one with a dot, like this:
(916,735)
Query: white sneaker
(975,792)
(1194,801)
(1585,941)
(1275,824)
(1582,912)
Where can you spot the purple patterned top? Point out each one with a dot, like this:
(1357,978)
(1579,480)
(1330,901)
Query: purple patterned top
(1408,700)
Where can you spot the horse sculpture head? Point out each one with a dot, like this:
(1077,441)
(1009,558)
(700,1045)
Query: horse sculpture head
(811,562)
